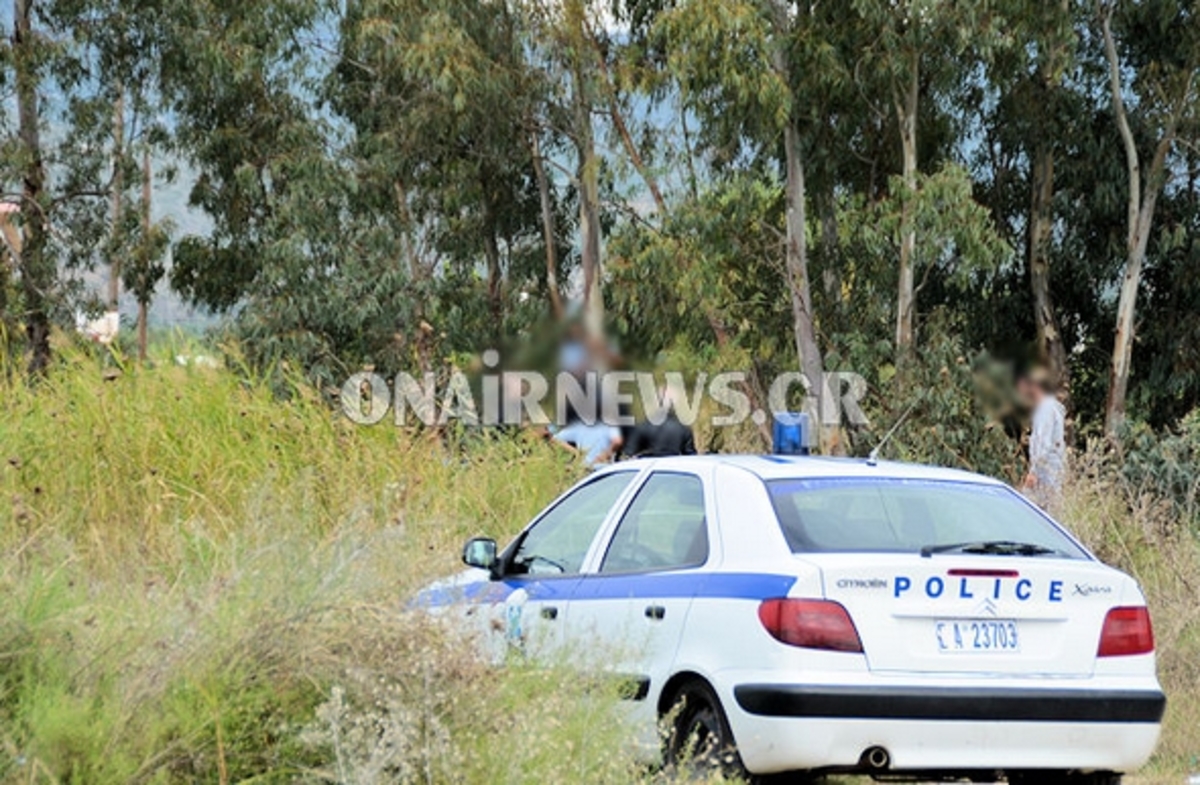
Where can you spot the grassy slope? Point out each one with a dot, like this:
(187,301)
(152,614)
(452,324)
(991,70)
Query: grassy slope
(199,583)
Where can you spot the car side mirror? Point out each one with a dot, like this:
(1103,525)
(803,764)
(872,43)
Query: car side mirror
(480,552)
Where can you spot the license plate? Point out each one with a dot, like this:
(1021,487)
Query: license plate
(978,636)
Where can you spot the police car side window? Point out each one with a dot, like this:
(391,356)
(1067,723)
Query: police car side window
(663,529)
(558,543)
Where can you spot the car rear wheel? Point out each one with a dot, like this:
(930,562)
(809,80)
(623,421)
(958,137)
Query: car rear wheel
(699,740)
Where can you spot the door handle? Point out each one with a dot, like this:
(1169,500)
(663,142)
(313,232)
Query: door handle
(550,612)
(655,612)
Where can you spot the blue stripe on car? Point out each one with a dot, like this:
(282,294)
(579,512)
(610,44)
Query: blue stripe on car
(666,585)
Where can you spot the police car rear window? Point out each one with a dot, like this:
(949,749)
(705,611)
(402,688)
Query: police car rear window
(908,516)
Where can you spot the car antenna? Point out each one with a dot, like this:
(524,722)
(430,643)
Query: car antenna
(873,456)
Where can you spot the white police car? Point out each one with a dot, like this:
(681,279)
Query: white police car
(815,614)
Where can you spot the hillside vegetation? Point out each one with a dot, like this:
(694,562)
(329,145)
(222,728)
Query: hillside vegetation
(204,583)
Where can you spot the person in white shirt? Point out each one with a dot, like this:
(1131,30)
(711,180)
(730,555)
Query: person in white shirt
(1047,442)
(596,442)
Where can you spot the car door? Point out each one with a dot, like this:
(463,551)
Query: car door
(541,568)
(627,616)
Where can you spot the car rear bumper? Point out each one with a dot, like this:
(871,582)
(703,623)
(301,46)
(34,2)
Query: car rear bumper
(783,727)
(952,703)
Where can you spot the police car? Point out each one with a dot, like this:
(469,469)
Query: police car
(782,614)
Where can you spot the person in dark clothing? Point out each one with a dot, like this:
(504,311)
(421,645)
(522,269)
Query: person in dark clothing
(669,437)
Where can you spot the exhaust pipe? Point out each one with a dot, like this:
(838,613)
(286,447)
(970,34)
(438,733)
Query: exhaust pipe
(876,758)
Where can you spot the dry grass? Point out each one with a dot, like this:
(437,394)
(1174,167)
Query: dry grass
(1142,534)
(199,583)
(203,584)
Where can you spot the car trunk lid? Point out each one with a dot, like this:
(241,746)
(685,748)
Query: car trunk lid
(957,613)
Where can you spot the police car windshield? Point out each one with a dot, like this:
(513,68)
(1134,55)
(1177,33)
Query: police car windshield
(912,516)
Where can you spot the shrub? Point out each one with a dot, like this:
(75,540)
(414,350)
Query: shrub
(1165,464)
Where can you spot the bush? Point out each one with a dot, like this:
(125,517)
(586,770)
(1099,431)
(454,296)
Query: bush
(1166,464)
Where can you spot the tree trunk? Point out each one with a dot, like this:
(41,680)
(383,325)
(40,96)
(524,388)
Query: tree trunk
(906,113)
(1122,357)
(588,166)
(796,251)
(831,276)
(804,329)
(144,293)
(1051,351)
(1139,219)
(689,154)
(10,257)
(491,251)
(548,235)
(622,128)
(589,227)
(36,267)
(118,190)
(589,203)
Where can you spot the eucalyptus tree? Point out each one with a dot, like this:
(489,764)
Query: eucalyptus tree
(919,51)
(307,281)
(118,112)
(1160,49)
(148,244)
(748,70)
(35,262)
(1031,107)
(440,98)
(565,42)
(1052,28)
(66,59)
(237,81)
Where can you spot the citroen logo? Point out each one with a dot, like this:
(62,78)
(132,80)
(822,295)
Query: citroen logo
(986,608)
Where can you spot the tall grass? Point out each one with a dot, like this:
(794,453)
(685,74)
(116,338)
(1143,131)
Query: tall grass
(1135,528)
(200,582)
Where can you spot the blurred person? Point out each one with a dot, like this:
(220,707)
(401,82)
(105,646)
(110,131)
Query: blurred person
(1047,443)
(596,442)
(670,437)
(587,357)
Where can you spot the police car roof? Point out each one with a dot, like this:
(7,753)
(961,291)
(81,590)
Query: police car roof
(774,467)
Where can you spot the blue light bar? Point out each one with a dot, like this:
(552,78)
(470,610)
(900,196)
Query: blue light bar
(789,433)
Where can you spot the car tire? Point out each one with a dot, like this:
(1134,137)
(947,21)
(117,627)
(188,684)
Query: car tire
(699,739)
(1064,778)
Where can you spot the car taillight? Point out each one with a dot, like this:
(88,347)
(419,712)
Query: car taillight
(1126,631)
(811,624)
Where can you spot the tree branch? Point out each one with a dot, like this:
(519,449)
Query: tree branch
(618,121)
(1131,153)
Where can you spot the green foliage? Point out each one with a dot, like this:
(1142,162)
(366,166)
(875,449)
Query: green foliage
(959,242)
(719,253)
(366,175)
(1164,464)
(216,580)
(956,403)
(720,55)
